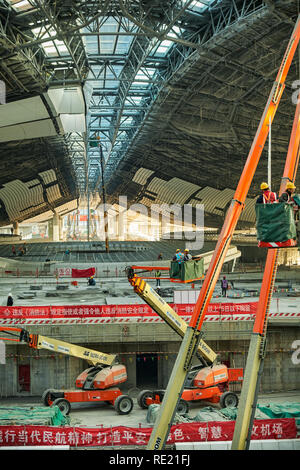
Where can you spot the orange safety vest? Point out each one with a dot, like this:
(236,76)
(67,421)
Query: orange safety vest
(269,197)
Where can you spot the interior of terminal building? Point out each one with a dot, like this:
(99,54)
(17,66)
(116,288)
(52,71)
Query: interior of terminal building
(132,134)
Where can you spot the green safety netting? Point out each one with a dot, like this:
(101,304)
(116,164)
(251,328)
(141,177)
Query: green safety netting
(187,270)
(282,410)
(275,222)
(33,415)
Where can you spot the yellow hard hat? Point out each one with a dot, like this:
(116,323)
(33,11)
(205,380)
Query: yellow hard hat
(264,186)
(186,249)
(290,185)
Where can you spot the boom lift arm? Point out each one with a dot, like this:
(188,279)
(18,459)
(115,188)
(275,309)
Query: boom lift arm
(254,366)
(148,294)
(208,381)
(95,358)
(191,338)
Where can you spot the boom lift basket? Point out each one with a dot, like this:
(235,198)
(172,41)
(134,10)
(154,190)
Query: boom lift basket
(275,225)
(187,270)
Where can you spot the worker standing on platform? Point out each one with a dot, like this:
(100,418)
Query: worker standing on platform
(288,198)
(179,256)
(157,277)
(187,255)
(267,196)
(224,285)
(10,300)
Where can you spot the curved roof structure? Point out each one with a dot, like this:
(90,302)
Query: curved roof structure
(173,89)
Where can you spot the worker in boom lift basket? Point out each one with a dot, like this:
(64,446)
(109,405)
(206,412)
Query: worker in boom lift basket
(267,196)
(187,255)
(179,256)
(289,198)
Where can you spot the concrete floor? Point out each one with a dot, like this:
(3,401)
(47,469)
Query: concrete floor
(97,415)
(118,291)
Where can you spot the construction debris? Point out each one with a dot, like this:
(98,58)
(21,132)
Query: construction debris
(207,413)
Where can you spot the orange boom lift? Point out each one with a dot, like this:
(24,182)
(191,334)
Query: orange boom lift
(192,335)
(98,383)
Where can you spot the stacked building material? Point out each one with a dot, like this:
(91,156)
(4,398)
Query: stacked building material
(45,416)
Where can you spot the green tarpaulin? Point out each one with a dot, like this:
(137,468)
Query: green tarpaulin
(283,410)
(34,415)
(275,222)
(187,270)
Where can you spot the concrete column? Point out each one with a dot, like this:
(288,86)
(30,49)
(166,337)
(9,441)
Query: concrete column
(50,229)
(55,227)
(60,228)
(16,228)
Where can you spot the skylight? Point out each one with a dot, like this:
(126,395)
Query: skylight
(53,47)
(199,6)
(21,5)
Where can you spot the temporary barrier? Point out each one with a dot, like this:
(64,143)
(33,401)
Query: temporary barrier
(124,436)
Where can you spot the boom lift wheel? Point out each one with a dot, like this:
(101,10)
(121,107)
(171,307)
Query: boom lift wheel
(229,399)
(46,397)
(142,397)
(123,404)
(63,404)
(182,407)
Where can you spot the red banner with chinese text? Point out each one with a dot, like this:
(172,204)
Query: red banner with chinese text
(120,435)
(76,273)
(59,311)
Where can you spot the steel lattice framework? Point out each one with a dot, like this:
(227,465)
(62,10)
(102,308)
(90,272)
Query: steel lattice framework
(151,72)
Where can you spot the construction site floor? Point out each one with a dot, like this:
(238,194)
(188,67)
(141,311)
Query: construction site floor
(104,415)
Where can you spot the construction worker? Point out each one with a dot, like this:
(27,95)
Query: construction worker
(91,281)
(187,255)
(179,256)
(267,196)
(157,276)
(287,197)
(224,286)
(10,300)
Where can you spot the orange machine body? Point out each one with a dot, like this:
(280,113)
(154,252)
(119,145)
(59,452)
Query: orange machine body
(209,376)
(110,376)
(105,378)
(208,384)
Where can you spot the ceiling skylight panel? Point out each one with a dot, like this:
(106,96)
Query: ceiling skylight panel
(21,5)
(200,6)
(53,47)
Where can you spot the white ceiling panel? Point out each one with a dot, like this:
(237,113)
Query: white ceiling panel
(66,100)
(29,130)
(30,109)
